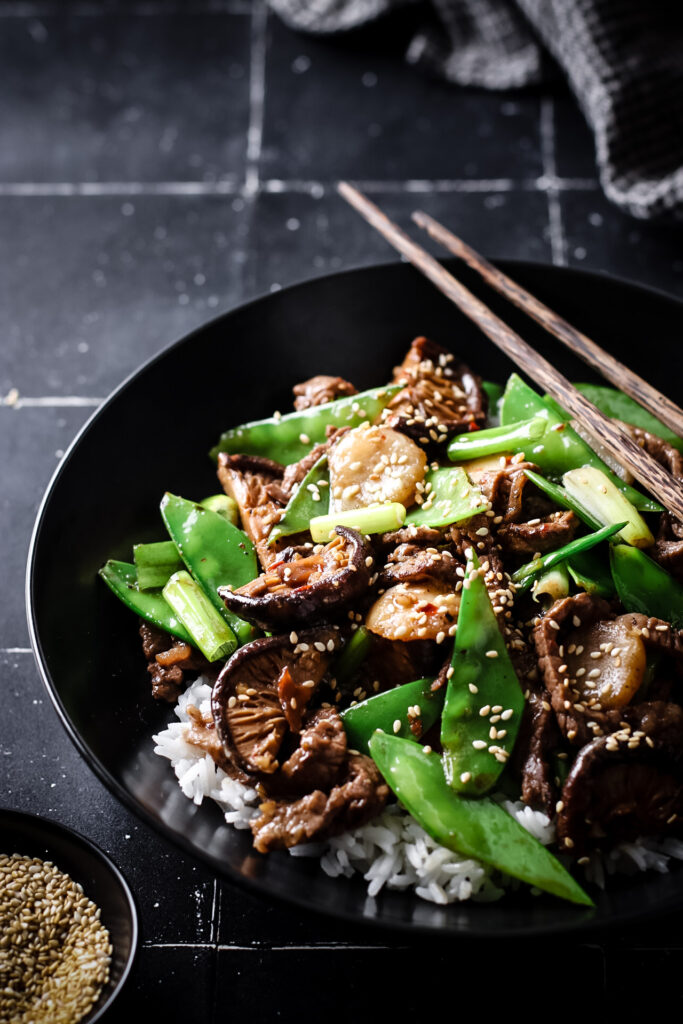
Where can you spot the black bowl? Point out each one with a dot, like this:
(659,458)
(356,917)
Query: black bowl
(153,434)
(102,882)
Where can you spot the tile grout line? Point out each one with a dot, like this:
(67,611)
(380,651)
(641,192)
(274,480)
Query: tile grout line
(275,186)
(214,909)
(257,95)
(547,133)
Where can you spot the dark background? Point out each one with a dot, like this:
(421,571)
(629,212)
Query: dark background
(161,162)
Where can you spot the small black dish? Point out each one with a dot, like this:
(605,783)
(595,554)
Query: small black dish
(153,435)
(102,882)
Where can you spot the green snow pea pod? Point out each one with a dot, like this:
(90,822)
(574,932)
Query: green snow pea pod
(560,449)
(494,393)
(591,572)
(525,575)
(215,552)
(484,701)
(643,586)
(384,710)
(355,651)
(451,497)
(292,436)
(121,578)
(478,828)
(311,498)
(619,406)
(507,439)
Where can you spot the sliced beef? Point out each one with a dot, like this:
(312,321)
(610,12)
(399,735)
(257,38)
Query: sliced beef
(318,759)
(441,396)
(412,563)
(526,539)
(538,741)
(420,536)
(512,495)
(246,479)
(320,390)
(169,661)
(358,797)
(628,784)
(307,589)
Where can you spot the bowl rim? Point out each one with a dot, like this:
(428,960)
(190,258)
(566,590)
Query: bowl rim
(49,826)
(582,922)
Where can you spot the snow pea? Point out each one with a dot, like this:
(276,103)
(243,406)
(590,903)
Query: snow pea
(311,498)
(525,575)
(494,393)
(479,828)
(384,710)
(620,407)
(121,578)
(215,552)
(591,572)
(643,586)
(560,449)
(450,498)
(484,701)
(355,651)
(288,438)
(503,440)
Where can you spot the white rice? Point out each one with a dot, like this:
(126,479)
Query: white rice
(392,850)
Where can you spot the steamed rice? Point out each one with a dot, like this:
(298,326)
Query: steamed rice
(392,850)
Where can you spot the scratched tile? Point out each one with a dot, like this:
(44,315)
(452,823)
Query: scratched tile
(92,286)
(296,236)
(335,111)
(124,97)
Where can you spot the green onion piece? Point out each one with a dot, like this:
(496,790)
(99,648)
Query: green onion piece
(449,497)
(496,440)
(552,585)
(590,571)
(224,505)
(372,519)
(478,828)
(288,438)
(525,575)
(415,706)
(352,657)
(121,579)
(596,492)
(154,563)
(311,499)
(209,632)
(562,497)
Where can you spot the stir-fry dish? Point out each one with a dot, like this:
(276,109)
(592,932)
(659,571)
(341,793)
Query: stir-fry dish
(429,632)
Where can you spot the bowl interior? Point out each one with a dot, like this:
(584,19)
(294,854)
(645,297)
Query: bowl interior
(102,882)
(153,435)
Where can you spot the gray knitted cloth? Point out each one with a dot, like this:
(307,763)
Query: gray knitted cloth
(623,60)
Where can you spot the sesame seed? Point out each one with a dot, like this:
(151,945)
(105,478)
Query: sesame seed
(479,744)
(304,438)
(485,710)
(293,638)
(472,688)
(397,725)
(492,654)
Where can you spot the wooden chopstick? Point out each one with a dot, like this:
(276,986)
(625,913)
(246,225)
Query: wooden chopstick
(584,347)
(644,468)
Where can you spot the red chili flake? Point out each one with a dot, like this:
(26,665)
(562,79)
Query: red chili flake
(473,426)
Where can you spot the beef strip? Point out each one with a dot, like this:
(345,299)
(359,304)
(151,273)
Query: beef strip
(321,389)
(441,396)
(628,784)
(317,761)
(526,539)
(409,562)
(359,795)
(169,661)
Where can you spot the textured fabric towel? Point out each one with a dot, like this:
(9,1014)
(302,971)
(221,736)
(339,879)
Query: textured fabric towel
(622,58)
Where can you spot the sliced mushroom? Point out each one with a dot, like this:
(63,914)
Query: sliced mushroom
(306,588)
(371,465)
(414,611)
(358,797)
(246,699)
(246,479)
(627,784)
(441,396)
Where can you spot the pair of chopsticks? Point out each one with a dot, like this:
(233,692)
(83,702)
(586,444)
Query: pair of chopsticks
(644,468)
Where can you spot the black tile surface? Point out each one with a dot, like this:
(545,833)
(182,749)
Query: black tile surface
(335,112)
(133,208)
(101,283)
(114,98)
